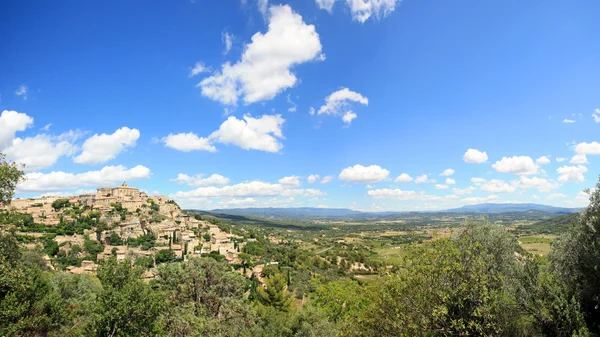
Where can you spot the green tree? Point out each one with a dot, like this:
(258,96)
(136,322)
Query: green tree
(10,175)
(163,256)
(575,259)
(126,306)
(275,293)
(60,203)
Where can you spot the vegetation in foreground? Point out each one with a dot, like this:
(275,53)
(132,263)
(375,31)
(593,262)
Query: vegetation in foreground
(477,281)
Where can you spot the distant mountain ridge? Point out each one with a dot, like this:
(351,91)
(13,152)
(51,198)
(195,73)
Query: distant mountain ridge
(314,212)
(504,208)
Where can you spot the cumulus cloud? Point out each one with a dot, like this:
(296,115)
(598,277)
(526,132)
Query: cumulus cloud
(292,181)
(571,173)
(22,91)
(38,152)
(579,158)
(339,102)
(362,174)
(59,180)
(265,67)
(326,179)
(188,142)
(441,187)
(556,196)
(197,69)
(252,133)
(447,172)
(475,156)
(560,159)
(450,181)
(404,178)
(10,123)
(584,149)
(568,121)
(497,186)
(516,165)
(541,184)
(596,115)
(312,178)
(249,133)
(199,180)
(543,160)
(348,117)
(102,148)
(362,10)
(422,179)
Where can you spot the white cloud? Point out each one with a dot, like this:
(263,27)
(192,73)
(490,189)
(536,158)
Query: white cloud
(404,178)
(362,174)
(535,197)
(477,200)
(571,173)
(262,6)
(22,91)
(265,67)
(568,121)
(592,148)
(583,198)
(441,187)
(58,180)
(560,159)
(543,160)
(463,191)
(326,179)
(248,133)
(497,186)
(311,111)
(325,4)
(247,189)
(292,181)
(46,127)
(475,156)
(339,102)
(102,148)
(227,41)
(596,115)
(362,10)
(398,194)
(476,180)
(197,69)
(516,165)
(312,178)
(293,107)
(188,142)
(199,180)
(348,117)
(38,152)
(10,123)
(579,158)
(447,172)
(450,181)
(252,133)
(541,184)
(422,179)
(556,196)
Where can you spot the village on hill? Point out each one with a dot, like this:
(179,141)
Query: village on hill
(129,224)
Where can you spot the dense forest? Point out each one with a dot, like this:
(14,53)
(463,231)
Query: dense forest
(476,282)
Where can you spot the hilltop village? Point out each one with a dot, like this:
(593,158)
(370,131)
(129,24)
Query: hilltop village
(129,224)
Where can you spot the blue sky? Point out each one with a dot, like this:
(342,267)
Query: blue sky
(243,103)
